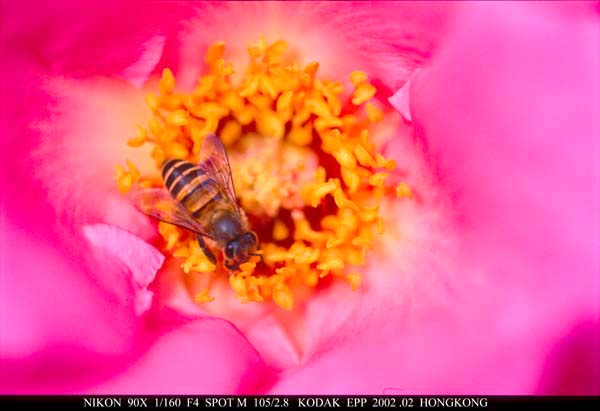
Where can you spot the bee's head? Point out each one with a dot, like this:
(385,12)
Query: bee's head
(239,249)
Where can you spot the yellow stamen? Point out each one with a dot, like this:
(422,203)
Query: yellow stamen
(280,231)
(377,179)
(300,136)
(177,150)
(167,82)
(311,68)
(355,280)
(178,118)
(388,164)
(363,93)
(215,52)
(334,264)
(282,296)
(269,124)
(133,171)
(357,78)
(153,102)
(351,178)
(124,183)
(303,167)
(403,190)
(139,139)
(203,297)
(198,264)
(364,157)
(126,178)
(232,131)
(238,284)
(224,68)
(373,113)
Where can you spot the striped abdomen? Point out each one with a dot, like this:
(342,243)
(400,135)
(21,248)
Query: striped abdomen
(190,186)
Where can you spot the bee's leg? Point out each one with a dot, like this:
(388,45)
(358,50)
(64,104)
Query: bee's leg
(206,251)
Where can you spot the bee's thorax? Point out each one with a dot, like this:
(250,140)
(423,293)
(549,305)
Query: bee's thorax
(226,226)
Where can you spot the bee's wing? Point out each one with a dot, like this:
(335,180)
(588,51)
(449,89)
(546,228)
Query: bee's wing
(214,162)
(157,202)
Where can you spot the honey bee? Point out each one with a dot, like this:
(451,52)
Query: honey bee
(201,198)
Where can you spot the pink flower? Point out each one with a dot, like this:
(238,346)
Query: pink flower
(487,284)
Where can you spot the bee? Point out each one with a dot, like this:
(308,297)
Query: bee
(201,198)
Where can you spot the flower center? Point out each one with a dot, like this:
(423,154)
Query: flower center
(305,171)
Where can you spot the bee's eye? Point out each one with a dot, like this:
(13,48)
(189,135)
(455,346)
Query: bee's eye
(249,239)
(230,250)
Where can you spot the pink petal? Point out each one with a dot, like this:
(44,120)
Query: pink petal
(64,333)
(506,113)
(50,288)
(401,101)
(71,38)
(262,324)
(202,357)
(138,72)
(140,259)
(515,144)
(54,195)
(54,313)
(573,368)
